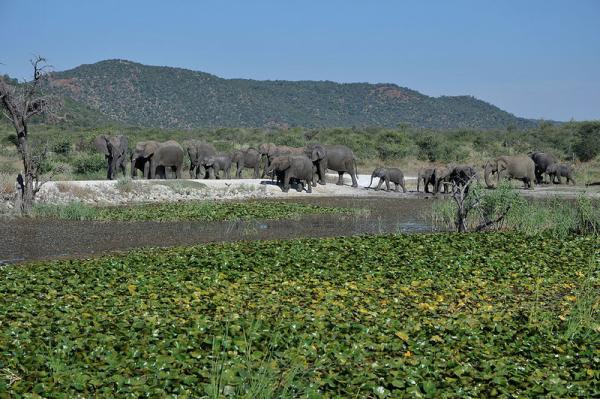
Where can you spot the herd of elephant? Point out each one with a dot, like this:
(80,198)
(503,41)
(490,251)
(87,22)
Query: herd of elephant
(303,165)
(306,166)
(529,169)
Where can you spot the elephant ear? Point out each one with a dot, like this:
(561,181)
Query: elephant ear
(100,144)
(318,152)
(149,149)
(285,163)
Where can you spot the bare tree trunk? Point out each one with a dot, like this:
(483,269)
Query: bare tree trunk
(18,104)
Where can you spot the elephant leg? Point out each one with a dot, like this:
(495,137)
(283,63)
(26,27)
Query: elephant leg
(387,183)
(340,181)
(379,184)
(354,181)
(286,182)
(321,170)
(178,172)
(152,170)
(403,187)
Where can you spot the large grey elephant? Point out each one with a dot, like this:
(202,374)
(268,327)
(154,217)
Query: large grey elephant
(427,176)
(199,151)
(168,155)
(140,157)
(249,158)
(289,167)
(115,149)
(268,151)
(542,161)
(558,170)
(341,159)
(519,167)
(217,163)
(386,175)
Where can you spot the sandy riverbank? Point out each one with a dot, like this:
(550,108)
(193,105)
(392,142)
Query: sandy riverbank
(104,192)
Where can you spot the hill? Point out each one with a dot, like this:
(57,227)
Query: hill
(166,97)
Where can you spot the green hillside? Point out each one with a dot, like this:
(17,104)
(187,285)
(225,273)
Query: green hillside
(166,97)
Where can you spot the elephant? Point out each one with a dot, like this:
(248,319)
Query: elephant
(115,151)
(542,160)
(558,170)
(268,151)
(318,155)
(199,151)
(461,176)
(427,176)
(441,176)
(290,167)
(168,155)
(140,157)
(394,175)
(249,158)
(216,163)
(518,167)
(341,159)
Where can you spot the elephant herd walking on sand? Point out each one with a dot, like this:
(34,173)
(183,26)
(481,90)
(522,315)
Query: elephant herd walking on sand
(306,166)
(303,165)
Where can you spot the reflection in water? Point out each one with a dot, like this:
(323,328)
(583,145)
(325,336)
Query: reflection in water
(28,239)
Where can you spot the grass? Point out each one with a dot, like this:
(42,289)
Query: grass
(557,216)
(168,212)
(444,315)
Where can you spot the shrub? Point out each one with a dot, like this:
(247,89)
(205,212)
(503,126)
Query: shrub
(587,141)
(395,145)
(62,147)
(88,163)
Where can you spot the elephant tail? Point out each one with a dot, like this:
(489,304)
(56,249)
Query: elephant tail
(371,182)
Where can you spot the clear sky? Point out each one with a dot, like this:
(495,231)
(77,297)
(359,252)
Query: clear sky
(534,58)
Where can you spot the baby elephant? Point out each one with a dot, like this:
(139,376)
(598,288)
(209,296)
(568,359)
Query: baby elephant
(558,170)
(217,163)
(394,175)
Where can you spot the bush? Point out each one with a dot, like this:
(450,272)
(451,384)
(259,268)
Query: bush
(62,147)
(437,147)
(395,145)
(587,141)
(88,163)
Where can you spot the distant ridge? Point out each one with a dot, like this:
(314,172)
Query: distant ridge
(165,97)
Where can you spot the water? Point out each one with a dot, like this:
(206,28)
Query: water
(33,239)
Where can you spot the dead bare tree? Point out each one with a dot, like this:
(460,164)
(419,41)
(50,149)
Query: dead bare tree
(19,103)
(468,200)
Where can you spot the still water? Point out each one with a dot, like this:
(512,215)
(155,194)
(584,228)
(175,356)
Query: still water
(27,239)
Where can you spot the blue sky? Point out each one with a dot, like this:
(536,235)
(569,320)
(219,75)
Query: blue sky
(537,59)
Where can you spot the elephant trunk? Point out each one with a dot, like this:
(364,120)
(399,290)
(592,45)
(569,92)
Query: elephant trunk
(371,182)
(487,176)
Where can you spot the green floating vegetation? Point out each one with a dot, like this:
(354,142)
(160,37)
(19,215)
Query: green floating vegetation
(444,315)
(202,211)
